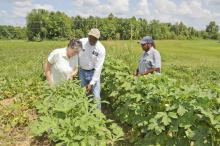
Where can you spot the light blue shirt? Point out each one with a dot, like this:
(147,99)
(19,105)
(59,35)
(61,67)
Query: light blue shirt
(149,60)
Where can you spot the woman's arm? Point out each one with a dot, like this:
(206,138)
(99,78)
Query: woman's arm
(47,71)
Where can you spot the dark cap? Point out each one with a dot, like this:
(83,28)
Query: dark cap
(147,40)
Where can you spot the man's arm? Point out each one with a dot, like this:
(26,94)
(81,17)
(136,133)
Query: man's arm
(156,64)
(97,72)
(150,71)
(98,68)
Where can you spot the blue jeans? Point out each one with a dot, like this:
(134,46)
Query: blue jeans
(85,77)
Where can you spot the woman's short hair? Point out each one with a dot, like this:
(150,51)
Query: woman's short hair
(75,44)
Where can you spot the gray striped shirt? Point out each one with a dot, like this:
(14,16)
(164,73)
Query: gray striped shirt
(149,60)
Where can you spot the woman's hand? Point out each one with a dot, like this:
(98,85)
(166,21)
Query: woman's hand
(73,74)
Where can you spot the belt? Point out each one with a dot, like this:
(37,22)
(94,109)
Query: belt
(87,69)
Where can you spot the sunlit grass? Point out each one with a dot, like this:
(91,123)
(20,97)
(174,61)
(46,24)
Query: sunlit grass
(24,59)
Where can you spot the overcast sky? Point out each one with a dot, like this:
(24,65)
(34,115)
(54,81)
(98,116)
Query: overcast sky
(196,13)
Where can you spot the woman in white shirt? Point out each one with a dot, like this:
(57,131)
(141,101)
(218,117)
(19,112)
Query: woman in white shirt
(62,63)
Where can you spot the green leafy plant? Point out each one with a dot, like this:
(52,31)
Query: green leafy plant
(68,117)
(162,111)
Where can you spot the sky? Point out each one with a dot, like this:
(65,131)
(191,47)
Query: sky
(196,13)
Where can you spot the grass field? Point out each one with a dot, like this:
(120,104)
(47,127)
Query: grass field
(186,60)
(194,53)
(24,59)
(189,61)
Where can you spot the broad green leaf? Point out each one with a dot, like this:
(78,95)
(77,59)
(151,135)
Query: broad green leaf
(78,137)
(181,110)
(189,133)
(172,115)
(166,120)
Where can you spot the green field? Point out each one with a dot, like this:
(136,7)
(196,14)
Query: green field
(188,62)
(22,58)
(193,53)
(181,59)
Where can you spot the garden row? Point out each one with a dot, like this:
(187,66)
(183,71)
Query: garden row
(161,110)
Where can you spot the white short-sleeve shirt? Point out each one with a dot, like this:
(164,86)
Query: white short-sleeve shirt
(92,57)
(149,60)
(62,66)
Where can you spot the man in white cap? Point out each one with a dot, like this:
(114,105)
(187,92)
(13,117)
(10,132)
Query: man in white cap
(150,61)
(91,60)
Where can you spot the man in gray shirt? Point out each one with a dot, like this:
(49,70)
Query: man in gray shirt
(150,61)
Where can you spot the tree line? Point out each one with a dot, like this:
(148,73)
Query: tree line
(12,32)
(42,25)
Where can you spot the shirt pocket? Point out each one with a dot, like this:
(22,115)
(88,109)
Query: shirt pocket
(95,55)
(148,62)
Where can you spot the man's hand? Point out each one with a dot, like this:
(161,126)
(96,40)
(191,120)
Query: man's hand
(89,88)
(136,73)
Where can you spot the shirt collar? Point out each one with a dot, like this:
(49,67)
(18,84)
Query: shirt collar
(149,51)
(64,53)
(91,45)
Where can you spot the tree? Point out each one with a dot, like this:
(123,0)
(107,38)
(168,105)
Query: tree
(37,20)
(11,32)
(59,26)
(110,16)
(143,28)
(42,24)
(108,29)
(212,30)
(155,29)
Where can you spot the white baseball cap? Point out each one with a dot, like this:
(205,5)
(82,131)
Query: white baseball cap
(94,32)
